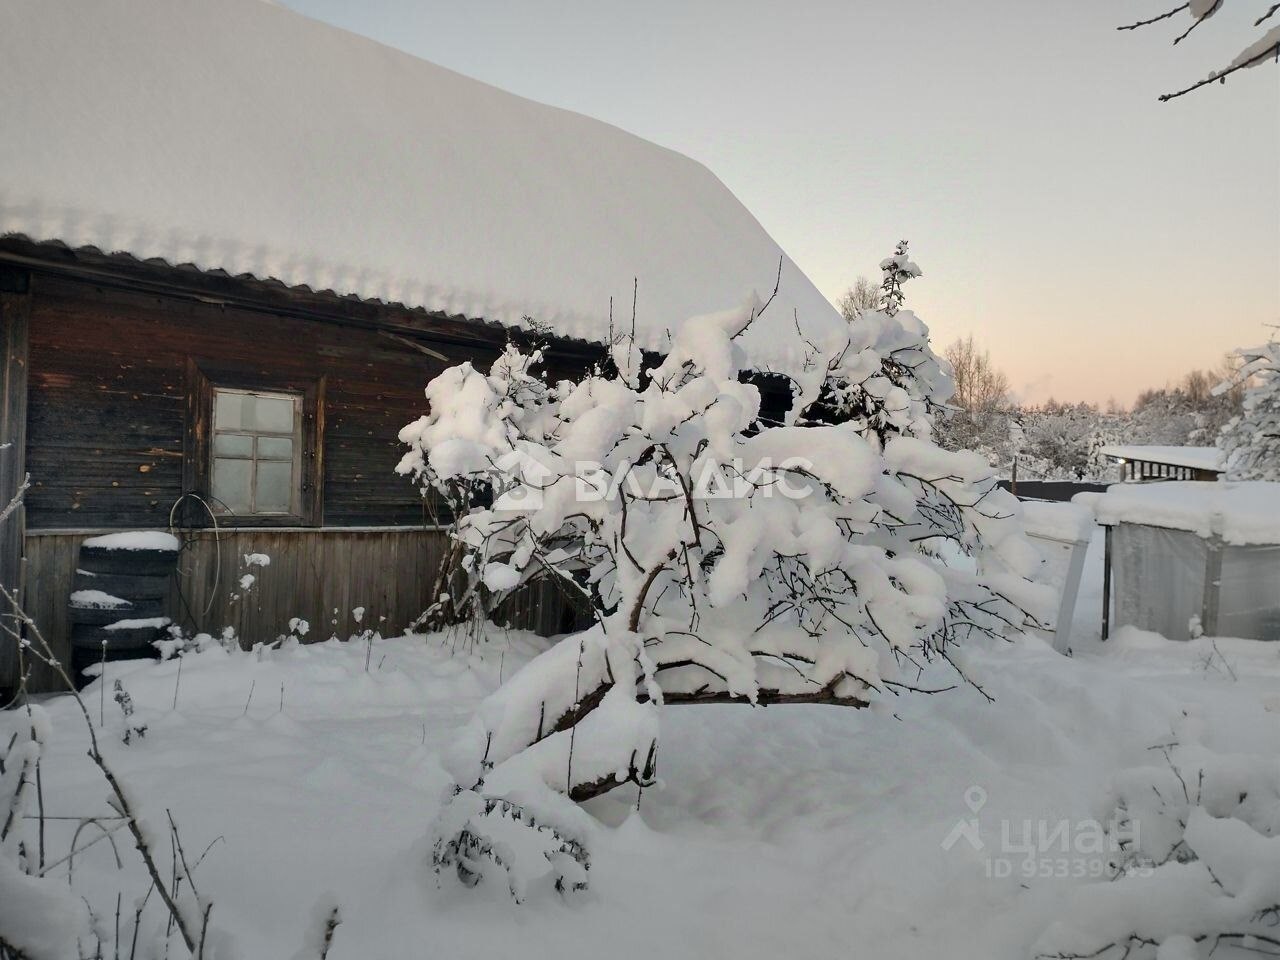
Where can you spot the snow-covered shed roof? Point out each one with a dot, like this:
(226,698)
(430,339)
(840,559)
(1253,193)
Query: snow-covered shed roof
(1196,458)
(1239,513)
(241,136)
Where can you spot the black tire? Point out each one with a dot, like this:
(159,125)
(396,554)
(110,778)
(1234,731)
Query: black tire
(90,636)
(136,563)
(123,585)
(82,657)
(136,610)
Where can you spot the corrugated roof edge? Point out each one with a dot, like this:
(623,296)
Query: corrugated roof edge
(56,254)
(21,247)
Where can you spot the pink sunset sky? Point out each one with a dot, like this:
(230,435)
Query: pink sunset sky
(1096,241)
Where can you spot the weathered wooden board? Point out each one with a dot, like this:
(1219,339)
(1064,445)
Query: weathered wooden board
(98,396)
(110,385)
(318,575)
(109,400)
(14,313)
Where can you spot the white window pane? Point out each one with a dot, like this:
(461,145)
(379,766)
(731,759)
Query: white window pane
(228,411)
(233,445)
(275,486)
(275,448)
(254,446)
(231,484)
(272,413)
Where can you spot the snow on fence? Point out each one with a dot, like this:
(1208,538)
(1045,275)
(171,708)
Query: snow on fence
(1186,558)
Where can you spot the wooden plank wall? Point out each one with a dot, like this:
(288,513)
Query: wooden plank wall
(107,405)
(14,314)
(312,572)
(108,398)
(109,371)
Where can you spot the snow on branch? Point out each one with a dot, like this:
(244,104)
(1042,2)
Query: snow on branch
(1266,47)
(1250,442)
(886,379)
(725,559)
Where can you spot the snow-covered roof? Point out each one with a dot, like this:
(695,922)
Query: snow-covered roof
(239,135)
(1197,458)
(1239,513)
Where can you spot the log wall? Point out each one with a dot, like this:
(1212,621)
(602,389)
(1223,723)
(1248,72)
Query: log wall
(108,380)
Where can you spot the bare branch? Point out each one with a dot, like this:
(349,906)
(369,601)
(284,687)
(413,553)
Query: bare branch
(1198,20)
(120,799)
(1221,76)
(1147,23)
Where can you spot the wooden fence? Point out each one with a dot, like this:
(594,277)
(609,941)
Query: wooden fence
(319,575)
(1058,490)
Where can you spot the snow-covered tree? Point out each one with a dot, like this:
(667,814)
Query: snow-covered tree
(724,560)
(463,480)
(980,411)
(897,269)
(1265,47)
(1058,441)
(1250,442)
(1109,430)
(980,386)
(887,378)
(858,299)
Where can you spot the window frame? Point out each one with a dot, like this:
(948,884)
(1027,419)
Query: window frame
(255,459)
(204,379)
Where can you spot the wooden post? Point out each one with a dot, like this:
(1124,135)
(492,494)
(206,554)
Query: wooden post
(1013,482)
(15,313)
(1106,585)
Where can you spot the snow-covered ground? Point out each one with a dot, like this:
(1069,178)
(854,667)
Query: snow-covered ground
(799,831)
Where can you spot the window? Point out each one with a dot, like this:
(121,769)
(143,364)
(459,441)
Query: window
(255,463)
(254,446)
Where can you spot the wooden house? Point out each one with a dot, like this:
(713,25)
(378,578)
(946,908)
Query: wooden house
(236,243)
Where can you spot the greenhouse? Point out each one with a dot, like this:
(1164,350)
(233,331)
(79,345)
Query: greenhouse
(1185,558)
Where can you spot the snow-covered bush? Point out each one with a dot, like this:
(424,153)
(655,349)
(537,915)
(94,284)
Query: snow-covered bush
(1065,442)
(481,418)
(1202,866)
(479,835)
(43,918)
(1250,442)
(724,559)
(40,918)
